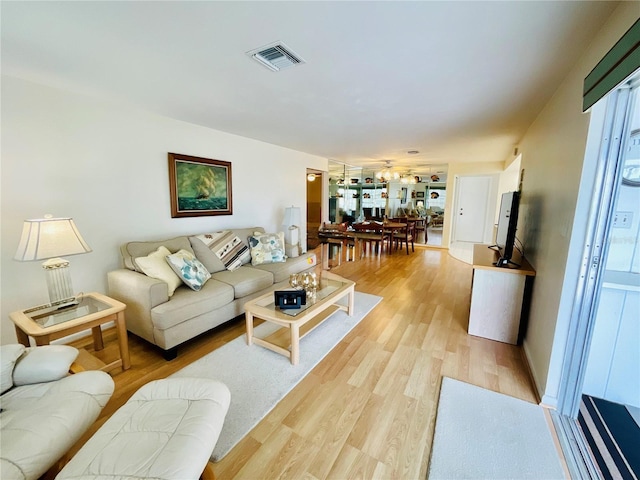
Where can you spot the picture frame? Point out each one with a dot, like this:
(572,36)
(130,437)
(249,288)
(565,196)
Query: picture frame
(199,186)
(403,195)
(419,194)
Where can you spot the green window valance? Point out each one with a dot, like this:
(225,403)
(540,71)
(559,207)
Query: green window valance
(620,62)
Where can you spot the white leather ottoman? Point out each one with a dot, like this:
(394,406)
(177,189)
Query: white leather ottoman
(167,430)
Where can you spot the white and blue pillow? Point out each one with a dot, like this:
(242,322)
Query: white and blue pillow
(190,270)
(267,248)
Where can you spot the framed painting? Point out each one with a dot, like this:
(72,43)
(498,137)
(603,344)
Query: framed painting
(199,186)
(420,194)
(403,195)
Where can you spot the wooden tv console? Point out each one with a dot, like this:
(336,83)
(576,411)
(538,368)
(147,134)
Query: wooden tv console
(497,295)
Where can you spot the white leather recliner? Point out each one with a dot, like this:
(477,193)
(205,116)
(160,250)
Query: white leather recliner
(44,410)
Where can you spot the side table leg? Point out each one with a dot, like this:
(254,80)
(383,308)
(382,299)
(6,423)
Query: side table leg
(23,338)
(325,257)
(352,296)
(249,322)
(295,344)
(123,341)
(43,340)
(98,344)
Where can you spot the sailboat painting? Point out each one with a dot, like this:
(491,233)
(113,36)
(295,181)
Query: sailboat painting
(199,186)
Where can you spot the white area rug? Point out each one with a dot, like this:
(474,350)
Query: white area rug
(463,251)
(482,434)
(259,378)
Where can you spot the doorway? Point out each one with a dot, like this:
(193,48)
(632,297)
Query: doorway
(315,184)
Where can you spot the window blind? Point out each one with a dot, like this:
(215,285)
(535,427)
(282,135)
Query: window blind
(620,62)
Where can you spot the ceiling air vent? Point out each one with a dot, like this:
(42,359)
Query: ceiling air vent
(276,56)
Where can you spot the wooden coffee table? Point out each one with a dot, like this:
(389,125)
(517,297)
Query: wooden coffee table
(296,323)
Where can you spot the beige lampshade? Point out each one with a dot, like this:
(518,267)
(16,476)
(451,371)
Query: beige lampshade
(49,238)
(292,216)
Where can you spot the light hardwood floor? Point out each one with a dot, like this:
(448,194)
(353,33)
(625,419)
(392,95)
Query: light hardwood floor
(368,409)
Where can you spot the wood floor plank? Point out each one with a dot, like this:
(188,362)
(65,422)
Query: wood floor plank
(368,409)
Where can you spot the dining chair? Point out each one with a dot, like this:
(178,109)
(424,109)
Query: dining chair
(420,228)
(336,241)
(405,236)
(372,235)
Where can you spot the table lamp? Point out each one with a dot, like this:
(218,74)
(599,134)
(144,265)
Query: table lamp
(47,239)
(290,225)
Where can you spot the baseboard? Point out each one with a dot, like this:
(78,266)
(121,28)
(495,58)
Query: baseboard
(530,372)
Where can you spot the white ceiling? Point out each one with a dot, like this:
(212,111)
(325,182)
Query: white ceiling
(458,81)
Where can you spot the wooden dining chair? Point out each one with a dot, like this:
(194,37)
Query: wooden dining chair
(421,227)
(405,236)
(372,235)
(333,242)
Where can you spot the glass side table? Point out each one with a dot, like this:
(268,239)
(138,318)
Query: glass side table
(93,309)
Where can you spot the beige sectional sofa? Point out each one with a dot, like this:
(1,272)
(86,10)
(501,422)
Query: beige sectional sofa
(168,320)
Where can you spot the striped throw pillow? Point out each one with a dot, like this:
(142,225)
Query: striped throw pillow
(228,248)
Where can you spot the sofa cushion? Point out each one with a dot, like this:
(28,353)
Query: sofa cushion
(130,251)
(246,280)
(186,304)
(227,247)
(44,364)
(155,265)
(267,248)
(209,259)
(9,354)
(281,271)
(192,273)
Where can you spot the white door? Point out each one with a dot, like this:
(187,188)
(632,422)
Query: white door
(470,211)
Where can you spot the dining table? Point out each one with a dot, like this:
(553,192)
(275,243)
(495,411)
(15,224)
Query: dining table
(354,237)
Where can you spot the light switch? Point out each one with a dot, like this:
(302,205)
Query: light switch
(622,219)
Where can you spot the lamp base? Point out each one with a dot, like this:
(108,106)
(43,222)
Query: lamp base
(58,280)
(292,251)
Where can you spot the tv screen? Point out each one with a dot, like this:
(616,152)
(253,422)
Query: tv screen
(507,224)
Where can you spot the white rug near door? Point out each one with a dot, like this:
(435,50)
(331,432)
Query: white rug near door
(259,378)
(463,251)
(482,434)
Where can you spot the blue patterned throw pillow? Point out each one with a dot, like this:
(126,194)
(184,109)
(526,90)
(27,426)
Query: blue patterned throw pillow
(267,248)
(192,272)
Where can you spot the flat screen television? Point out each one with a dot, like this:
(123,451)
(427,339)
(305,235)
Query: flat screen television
(507,225)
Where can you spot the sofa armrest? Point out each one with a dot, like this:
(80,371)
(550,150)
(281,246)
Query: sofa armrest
(140,294)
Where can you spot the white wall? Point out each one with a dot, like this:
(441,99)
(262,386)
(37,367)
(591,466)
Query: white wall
(553,152)
(106,166)
(509,180)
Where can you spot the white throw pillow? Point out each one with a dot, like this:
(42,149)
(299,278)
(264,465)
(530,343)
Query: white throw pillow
(192,272)
(8,356)
(44,364)
(155,265)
